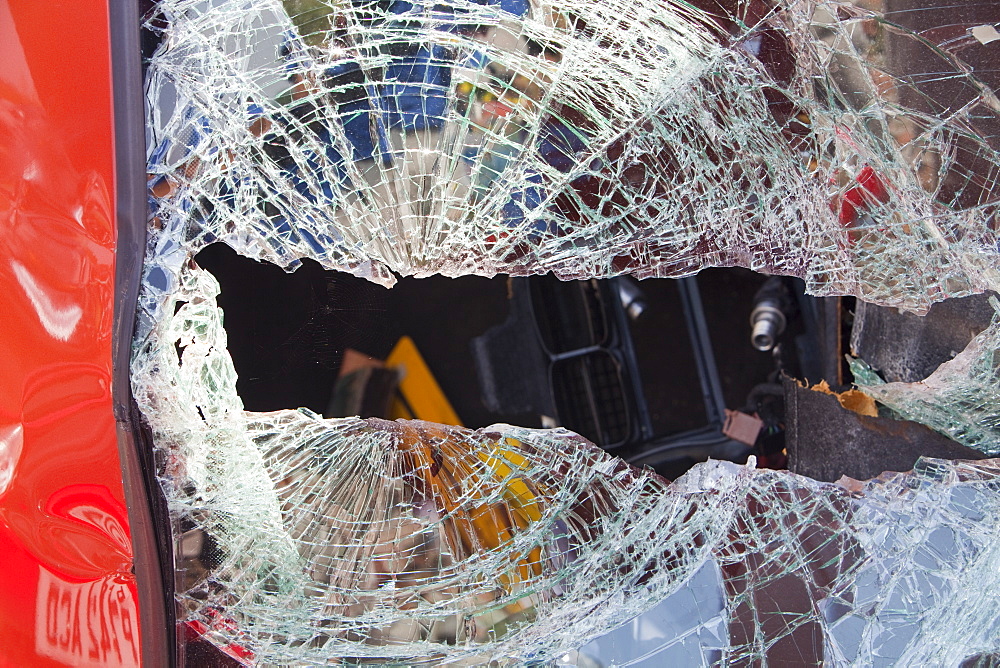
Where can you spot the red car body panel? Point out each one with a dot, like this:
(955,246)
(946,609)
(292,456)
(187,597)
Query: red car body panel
(68,595)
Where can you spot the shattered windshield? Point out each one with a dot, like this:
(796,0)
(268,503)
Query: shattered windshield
(849,147)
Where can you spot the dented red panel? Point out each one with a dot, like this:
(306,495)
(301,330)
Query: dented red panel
(67,593)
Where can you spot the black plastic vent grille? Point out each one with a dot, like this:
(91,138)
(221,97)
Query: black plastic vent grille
(590,397)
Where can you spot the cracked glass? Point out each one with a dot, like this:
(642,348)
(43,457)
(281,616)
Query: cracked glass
(851,145)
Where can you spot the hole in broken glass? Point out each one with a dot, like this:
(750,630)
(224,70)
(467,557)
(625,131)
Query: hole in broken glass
(612,360)
(600,139)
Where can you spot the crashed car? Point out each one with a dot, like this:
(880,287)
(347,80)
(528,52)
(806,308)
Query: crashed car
(150,514)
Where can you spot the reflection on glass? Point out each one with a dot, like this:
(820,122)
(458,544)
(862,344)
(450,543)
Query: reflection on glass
(849,144)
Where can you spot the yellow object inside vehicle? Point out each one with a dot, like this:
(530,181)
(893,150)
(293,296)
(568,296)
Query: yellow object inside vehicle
(419,395)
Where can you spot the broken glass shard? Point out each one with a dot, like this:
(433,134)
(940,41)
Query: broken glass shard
(851,144)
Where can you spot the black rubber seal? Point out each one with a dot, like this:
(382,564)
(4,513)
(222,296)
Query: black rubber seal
(147,512)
